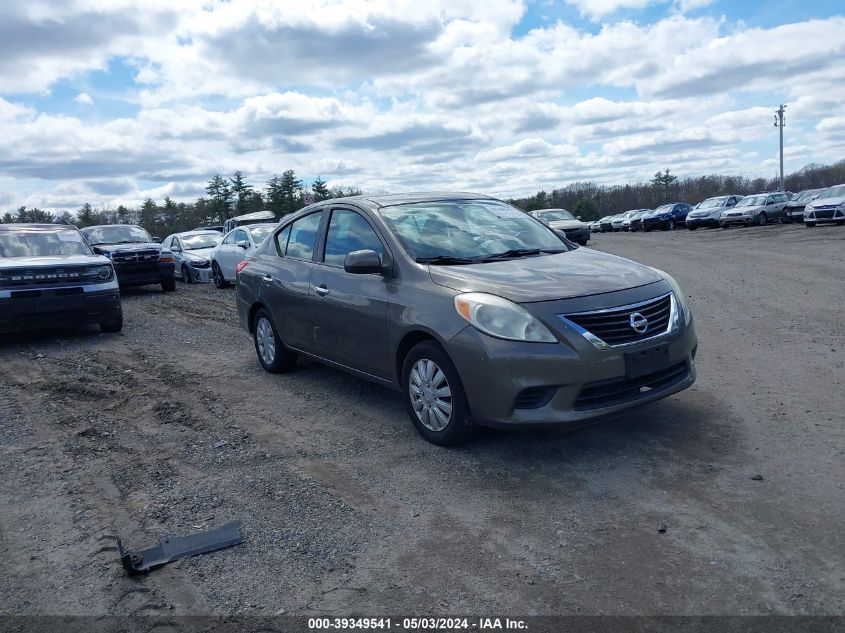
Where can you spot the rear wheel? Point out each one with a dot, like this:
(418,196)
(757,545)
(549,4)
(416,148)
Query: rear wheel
(219,279)
(272,353)
(691,227)
(434,395)
(809,225)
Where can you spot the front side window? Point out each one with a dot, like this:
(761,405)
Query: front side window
(303,235)
(37,243)
(467,230)
(752,201)
(348,232)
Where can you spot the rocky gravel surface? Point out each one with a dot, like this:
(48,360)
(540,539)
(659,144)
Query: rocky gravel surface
(728,498)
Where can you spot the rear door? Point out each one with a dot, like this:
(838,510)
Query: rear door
(349,319)
(285,279)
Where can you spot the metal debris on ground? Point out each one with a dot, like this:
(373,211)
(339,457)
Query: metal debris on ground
(174,547)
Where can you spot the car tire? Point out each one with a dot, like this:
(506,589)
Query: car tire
(219,280)
(115,325)
(724,226)
(583,242)
(459,426)
(809,225)
(272,353)
(691,228)
(186,275)
(762,219)
(168,285)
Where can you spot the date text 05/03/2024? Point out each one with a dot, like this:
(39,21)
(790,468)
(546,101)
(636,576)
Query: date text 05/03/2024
(417,624)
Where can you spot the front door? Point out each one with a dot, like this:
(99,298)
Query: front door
(350,310)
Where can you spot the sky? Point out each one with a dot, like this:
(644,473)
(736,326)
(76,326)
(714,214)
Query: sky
(114,101)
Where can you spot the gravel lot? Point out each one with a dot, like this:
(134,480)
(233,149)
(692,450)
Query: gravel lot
(172,426)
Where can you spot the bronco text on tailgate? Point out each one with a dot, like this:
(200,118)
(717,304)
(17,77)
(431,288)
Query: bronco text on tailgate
(50,277)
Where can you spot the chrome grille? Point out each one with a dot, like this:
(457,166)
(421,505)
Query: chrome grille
(613,326)
(135,257)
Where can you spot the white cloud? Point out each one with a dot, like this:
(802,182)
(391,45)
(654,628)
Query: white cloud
(84,98)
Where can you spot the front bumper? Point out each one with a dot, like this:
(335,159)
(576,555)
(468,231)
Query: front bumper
(653,224)
(737,219)
(697,222)
(45,308)
(578,235)
(567,380)
(143,274)
(200,275)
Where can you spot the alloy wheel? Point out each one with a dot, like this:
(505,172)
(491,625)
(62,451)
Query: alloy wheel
(431,395)
(266,340)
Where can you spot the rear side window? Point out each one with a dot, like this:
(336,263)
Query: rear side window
(282,240)
(348,232)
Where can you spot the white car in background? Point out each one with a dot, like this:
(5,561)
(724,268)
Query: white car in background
(618,222)
(233,250)
(828,207)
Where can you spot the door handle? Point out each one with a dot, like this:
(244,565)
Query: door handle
(267,278)
(321,290)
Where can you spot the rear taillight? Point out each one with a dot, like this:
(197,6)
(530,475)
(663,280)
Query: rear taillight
(166,259)
(240,266)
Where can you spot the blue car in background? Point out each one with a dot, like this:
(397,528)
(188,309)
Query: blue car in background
(667,217)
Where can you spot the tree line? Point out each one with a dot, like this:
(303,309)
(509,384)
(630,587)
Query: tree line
(224,198)
(592,201)
(282,194)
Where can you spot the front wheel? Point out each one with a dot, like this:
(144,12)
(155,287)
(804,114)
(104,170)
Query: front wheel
(219,280)
(762,219)
(583,242)
(186,275)
(168,285)
(691,228)
(272,353)
(115,325)
(434,395)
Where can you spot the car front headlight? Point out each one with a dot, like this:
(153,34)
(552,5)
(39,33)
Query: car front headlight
(501,318)
(104,272)
(199,262)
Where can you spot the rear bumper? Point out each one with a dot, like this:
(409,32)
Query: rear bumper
(514,384)
(134,275)
(47,308)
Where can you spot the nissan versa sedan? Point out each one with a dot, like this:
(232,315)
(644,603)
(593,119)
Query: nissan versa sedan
(478,314)
(192,252)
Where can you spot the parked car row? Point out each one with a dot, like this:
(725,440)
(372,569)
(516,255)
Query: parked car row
(811,207)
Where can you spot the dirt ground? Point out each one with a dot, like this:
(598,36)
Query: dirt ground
(171,426)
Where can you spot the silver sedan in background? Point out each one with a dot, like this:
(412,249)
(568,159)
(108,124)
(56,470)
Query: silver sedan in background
(192,252)
(233,249)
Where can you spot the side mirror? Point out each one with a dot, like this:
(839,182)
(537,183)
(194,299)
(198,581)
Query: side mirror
(244,244)
(577,217)
(362,262)
(157,240)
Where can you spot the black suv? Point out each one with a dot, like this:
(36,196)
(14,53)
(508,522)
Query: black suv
(49,277)
(137,258)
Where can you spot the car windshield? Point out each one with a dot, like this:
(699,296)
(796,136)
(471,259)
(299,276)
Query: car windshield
(557,214)
(37,243)
(711,202)
(118,234)
(752,201)
(468,231)
(201,240)
(834,192)
(259,232)
(666,208)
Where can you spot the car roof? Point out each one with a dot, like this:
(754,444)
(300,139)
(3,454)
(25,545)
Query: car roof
(202,232)
(388,200)
(104,226)
(39,227)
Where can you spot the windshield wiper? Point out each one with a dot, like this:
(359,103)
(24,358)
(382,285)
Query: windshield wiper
(445,260)
(522,252)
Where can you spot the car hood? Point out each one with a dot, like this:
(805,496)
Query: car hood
(52,261)
(827,202)
(561,225)
(124,248)
(576,273)
(756,207)
(200,253)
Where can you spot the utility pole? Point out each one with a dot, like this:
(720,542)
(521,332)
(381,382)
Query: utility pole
(779,123)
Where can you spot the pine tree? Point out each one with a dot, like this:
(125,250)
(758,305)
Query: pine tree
(22,215)
(241,191)
(124,216)
(8,218)
(86,216)
(320,190)
(290,187)
(148,214)
(220,193)
(66,217)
